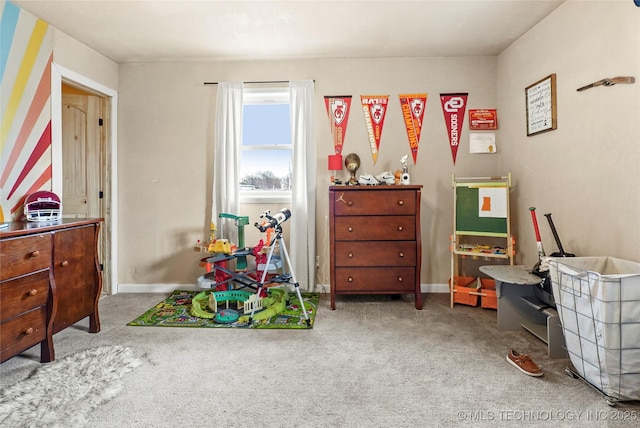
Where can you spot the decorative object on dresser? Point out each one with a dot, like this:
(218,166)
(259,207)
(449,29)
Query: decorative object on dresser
(405,178)
(376,246)
(334,164)
(352,163)
(50,279)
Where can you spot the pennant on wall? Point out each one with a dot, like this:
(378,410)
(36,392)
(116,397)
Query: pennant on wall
(338,111)
(375,109)
(453,107)
(413,106)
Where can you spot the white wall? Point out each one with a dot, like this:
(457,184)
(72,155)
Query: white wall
(165,150)
(83,60)
(586,173)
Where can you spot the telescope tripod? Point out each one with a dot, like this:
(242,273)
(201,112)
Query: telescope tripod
(285,278)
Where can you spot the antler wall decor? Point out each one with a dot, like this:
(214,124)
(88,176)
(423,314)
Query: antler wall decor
(609,82)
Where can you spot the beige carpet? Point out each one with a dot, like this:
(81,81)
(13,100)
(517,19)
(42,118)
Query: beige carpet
(373,362)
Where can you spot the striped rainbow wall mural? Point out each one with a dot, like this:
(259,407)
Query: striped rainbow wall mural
(26,54)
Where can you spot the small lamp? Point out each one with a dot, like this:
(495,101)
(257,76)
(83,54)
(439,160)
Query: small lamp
(335,164)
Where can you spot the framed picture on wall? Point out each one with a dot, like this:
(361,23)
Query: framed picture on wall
(541,105)
(483,119)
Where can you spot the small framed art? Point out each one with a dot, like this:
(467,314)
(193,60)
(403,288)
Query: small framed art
(483,119)
(541,105)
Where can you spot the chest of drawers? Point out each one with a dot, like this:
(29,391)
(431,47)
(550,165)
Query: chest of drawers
(25,295)
(49,279)
(375,242)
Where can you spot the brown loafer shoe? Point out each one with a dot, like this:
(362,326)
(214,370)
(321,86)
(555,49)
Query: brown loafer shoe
(524,363)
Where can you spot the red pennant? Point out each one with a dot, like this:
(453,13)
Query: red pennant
(453,107)
(413,106)
(375,109)
(338,111)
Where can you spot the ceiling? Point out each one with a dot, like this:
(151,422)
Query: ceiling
(179,30)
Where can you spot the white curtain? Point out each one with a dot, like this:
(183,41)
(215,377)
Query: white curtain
(226,157)
(302,239)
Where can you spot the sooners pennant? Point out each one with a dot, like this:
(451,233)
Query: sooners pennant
(413,106)
(338,111)
(375,109)
(453,107)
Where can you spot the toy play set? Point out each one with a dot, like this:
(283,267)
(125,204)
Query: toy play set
(240,294)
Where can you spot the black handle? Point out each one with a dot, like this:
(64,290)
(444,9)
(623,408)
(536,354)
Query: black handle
(555,234)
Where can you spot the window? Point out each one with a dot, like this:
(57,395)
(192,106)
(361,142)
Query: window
(265,157)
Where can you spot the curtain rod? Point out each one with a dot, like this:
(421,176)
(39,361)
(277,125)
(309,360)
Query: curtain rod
(256,82)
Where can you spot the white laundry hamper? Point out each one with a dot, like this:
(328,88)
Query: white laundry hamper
(598,303)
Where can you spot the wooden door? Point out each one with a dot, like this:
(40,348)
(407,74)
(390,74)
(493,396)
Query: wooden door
(81,153)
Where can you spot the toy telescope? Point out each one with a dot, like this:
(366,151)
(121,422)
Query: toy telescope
(274,221)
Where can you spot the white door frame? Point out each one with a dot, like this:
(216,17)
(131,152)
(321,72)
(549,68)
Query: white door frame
(58,75)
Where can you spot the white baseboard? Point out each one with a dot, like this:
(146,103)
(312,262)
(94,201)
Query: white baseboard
(168,288)
(434,288)
(154,288)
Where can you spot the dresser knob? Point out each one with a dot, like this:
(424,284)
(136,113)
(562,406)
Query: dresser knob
(400,279)
(401,202)
(350,255)
(65,263)
(350,203)
(350,229)
(401,254)
(350,279)
(35,253)
(400,228)
(28,331)
(32,292)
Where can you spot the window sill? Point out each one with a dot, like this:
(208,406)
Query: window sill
(264,197)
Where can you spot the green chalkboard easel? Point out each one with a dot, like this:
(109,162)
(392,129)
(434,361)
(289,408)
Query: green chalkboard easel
(480,232)
(468,218)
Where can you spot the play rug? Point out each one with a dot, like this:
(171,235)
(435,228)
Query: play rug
(175,311)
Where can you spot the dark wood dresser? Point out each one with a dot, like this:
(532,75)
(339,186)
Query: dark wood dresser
(375,246)
(50,278)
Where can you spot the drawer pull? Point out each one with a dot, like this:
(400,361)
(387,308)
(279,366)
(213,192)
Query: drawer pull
(401,254)
(35,253)
(350,203)
(29,331)
(400,228)
(401,202)
(350,279)
(350,255)
(65,263)
(350,229)
(400,279)
(32,292)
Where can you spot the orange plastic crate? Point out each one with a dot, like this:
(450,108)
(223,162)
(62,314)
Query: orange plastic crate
(463,292)
(489,300)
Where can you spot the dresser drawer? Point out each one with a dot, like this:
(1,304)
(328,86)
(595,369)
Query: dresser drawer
(375,202)
(21,333)
(19,256)
(23,294)
(375,280)
(380,253)
(375,228)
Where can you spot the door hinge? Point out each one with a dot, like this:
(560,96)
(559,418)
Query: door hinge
(100,194)
(100,122)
